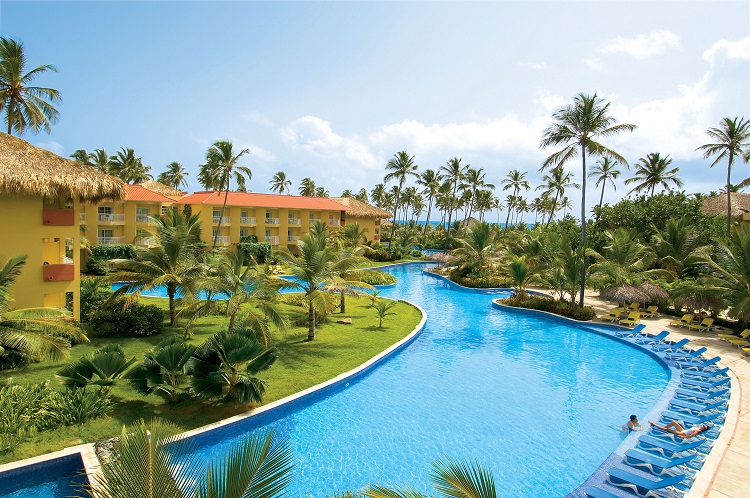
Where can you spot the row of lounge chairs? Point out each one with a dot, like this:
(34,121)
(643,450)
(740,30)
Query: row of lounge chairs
(662,462)
(742,340)
(687,321)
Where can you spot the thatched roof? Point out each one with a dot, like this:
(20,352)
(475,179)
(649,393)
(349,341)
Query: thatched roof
(653,291)
(717,204)
(623,293)
(162,189)
(29,170)
(361,209)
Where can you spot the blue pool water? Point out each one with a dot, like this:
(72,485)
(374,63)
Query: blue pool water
(533,399)
(59,478)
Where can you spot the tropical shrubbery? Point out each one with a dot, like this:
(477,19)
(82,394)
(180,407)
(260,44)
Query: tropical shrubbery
(563,308)
(260,251)
(124,251)
(95,266)
(116,319)
(373,277)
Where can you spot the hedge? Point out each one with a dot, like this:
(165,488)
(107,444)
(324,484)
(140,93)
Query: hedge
(562,308)
(124,251)
(261,251)
(137,320)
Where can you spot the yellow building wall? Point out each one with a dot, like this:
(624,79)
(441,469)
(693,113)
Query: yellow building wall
(126,228)
(364,222)
(24,233)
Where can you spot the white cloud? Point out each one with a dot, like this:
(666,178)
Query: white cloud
(258,119)
(535,66)
(642,46)
(729,49)
(55,147)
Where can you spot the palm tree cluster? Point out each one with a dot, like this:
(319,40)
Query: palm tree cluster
(126,166)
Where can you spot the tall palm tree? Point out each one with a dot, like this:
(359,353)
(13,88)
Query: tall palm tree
(430,180)
(175,176)
(401,167)
(129,168)
(577,128)
(731,140)
(362,195)
(221,162)
(408,198)
(37,332)
(454,173)
(280,183)
(82,156)
(514,180)
(101,160)
(24,106)
(174,261)
(605,170)
(321,192)
(307,187)
(377,194)
(652,171)
(556,181)
(474,182)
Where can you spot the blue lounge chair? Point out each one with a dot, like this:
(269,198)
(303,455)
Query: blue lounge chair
(668,447)
(674,347)
(694,365)
(686,356)
(652,339)
(698,407)
(655,464)
(690,419)
(705,384)
(594,492)
(640,485)
(634,332)
(706,375)
(700,395)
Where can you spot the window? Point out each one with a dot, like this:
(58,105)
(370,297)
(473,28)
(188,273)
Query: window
(104,209)
(141,214)
(214,232)
(268,233)
(268,215)
(312,217)
(243,214)
(217,213)
(164,210)
(243,232)
(106,234)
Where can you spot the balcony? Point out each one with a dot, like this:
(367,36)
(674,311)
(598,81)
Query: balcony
(224,220)
(58,217)
(272,239)
(111,218)
(110,241)
(247,220)
(314,220)
(59,273)
(272,221)
(146,241)
(292,238)
(294,221)
(222,240)
(334,223)
(143,218)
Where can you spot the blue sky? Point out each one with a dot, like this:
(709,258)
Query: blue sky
(331,90)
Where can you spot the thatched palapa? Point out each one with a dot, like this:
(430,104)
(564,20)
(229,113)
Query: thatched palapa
(162,189)
(653,291)
(717,204)
(361,209)
(29,170)
(623,293)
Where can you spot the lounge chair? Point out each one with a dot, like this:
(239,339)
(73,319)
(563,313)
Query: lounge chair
(682,322)
(665,347)
(704,326)
(740,342)
(667,447)
(686,356)
(690,419)
(594,492)
(745,334)
(700,395)
(640,485)
(692,383)
(634,306)
(706,375)
(692,365)
(746,350)
(632,320)
(655,464)
(612,315)
(650,312)
(635,332)
(652,339)
(698,407)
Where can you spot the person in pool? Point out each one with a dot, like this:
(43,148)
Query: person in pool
(633,424)
(678,430)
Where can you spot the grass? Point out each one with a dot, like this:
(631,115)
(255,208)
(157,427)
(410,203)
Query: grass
(301,364)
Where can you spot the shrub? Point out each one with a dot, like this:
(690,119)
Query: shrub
(374,277)
(137,320)
(75,406)
(124,251)
(96,266)
(261,251)
(562,308)
(382,255)
(94,293)
(11,358)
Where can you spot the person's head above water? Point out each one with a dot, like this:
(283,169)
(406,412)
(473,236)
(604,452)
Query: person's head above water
(633,418)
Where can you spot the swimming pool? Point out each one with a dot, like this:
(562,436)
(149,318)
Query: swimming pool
(531,398)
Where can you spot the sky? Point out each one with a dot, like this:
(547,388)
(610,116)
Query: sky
(332,90)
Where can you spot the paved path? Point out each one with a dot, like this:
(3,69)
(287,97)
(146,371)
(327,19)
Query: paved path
(726,472)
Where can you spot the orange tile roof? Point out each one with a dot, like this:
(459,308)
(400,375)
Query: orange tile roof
(253,199)
(141,193)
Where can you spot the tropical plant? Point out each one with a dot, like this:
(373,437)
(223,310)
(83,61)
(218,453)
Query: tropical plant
(35,332)
(129,168)
(382,310)
(401,167)
(474,183)
(453,173)
(221,166)
(577,128)
(102,368)
(100,160)
(675,246)
(352,235)
(520,273)
(24,106)
(280,183)
(556,181)
(377,194)
(731,140)
(307,187)
(362,195)
(164,370)
(321,192)
(605,170)
(514,180)
(652,171)
(477,251)
(175,176)
(174,261)
(82,156)
(624,260)
(226,365)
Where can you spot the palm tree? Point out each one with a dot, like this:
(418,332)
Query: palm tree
(102,368)
(164,370)
(675,246)
(221,162)
(401,167)
(280,183)
(307,187)
(556,181)
(36,332)
(175,176)
(652,171)
(352,235)
(362,195)
(477,250)
(25,106)
(382,310)
(577,128)
(624,260)
(129,168)
(174,261)
(430,180)
(514,180)
(408,198)
(377,194)
(100,160)
(453,173)
(225,366)
(82,156)
(605,171)
(475,181)
(321,192)
(731,139)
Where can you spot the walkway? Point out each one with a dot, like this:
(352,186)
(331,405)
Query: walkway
(726,472)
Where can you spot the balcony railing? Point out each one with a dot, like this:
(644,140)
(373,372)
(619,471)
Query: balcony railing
(224,220)
(272,221)
(111,218)
(247,220)
(110,241)
(334,223)
(146,241)
(294,221)
(314,220)
(223,240)
(143,218)
(272,239)
(292,238)
(59,273)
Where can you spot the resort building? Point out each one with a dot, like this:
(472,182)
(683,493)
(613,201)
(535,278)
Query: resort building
(41,195)
(115,222)
(276,219)
(366,216)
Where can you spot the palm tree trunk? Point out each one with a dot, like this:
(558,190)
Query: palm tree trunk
(343,302)
(172,307)
(583,226)
(601,198)
(427,223)
(232,322)
(393,227)
(11,105)
(729,198)
(311,323)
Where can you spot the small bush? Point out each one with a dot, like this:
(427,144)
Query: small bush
(10,359)
(137,320)
(96,267)
(562,308)
(374,277)
(382,255)
(124,251)
(477,281)
(94,293)
(261,251)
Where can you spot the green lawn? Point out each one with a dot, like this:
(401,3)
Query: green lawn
(301,364)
